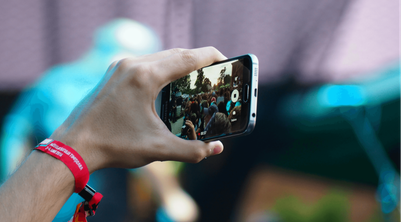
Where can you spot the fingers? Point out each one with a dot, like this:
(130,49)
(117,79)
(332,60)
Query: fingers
(184,62)
(192,151)
(159,55)
(147,58)
(189,123)
(150,57)
(163,67)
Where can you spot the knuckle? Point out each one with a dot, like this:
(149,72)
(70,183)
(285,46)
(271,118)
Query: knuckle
(141,75)
(198,156)
(175,50)
(212,48)
(189,58)
(123,64)
(143,69)
(214,51)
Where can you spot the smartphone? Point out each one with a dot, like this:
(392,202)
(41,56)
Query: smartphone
(213,102)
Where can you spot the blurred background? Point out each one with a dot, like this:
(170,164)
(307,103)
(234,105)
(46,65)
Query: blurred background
(326,146)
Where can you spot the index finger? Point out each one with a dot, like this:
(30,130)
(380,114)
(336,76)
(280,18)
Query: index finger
(182,63)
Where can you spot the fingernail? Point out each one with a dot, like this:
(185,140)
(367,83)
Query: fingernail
(217,150)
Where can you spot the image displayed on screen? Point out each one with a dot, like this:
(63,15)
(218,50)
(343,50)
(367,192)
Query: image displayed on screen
(207,102)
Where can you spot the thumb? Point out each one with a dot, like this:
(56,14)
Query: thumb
(191,151)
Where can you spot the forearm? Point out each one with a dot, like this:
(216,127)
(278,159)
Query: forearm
(37,190)
(192,135)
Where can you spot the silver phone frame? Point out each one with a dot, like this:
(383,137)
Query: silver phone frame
(253,93)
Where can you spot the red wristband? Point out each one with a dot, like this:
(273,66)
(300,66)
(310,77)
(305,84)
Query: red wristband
(70,157)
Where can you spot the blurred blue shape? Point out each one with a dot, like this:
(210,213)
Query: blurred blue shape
(388,192)
(372,91)
(125,35)
(341,95)
(162,216)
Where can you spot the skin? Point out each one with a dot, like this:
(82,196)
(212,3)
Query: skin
(114,126)
(191,131)
(188,106)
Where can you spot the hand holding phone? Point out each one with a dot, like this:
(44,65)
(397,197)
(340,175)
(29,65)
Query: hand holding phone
(219,100)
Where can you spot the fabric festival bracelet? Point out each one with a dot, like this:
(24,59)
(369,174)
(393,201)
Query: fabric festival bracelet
(70,158)
(77,166)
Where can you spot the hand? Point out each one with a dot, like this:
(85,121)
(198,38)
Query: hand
(191,130)
(116,125)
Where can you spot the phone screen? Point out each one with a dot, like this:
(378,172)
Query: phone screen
(209,102)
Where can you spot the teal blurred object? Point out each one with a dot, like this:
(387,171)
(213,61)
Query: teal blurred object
(388,194)
(44,106)
(357,108)
(341,95)
(162,216)
(321,102)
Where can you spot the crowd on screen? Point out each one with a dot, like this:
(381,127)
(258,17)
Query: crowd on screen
(207,114)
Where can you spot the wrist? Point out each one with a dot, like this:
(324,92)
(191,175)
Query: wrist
(49,166)
(82,146)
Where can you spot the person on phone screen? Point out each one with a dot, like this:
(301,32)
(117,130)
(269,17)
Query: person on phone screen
(219,124)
